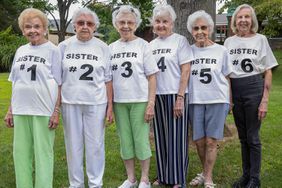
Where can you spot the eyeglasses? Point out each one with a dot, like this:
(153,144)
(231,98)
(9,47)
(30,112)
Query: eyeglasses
(123,23)
(82,23)
(29,26)
(203,28)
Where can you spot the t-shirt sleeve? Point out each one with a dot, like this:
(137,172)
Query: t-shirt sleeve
(12,73)
(108,72)
(269,59)
(184,51)
(56,65)
(226,65)
(150,65)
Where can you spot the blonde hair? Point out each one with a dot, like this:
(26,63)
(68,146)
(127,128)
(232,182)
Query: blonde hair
(31,13)
(254,27)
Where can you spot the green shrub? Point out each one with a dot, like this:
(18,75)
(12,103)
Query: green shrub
(9,43)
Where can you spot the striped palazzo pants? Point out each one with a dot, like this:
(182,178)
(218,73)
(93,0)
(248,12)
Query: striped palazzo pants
(171,141)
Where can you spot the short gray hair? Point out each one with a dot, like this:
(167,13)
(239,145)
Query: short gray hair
(162,9)
(85,11)
(200,14)
(125,9)
(254,27)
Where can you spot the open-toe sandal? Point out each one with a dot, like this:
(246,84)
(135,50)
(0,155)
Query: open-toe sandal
(198,180)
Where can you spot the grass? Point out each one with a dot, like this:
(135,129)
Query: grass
(227,168)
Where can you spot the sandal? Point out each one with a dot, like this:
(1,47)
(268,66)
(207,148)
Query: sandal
(209,185)
(156,182)
(198,180)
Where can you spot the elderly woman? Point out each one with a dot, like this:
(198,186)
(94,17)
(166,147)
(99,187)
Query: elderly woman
(173,55)
(86,99)
(34,110)
(252,59)
(208,93)
(134,86)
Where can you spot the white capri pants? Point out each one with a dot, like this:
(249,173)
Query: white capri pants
(84,127)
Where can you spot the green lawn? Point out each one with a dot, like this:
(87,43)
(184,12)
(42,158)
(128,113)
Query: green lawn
(228,165)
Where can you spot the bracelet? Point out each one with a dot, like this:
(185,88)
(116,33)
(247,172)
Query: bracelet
(181,96)
(57,109)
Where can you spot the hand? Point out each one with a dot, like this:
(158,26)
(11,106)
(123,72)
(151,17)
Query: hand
(262,110)
(109,114)
(9,119)
(149,113)
(178,107)
(54,120)
(230,108)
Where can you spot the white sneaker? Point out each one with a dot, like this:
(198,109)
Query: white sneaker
(144,185)
(128,184)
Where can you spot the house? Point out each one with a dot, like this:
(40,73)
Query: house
(221,28)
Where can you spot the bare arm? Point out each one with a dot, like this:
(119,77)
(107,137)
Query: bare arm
(265,97)
(109,113)
(149,113)
(230,95)
(9,118)
(179,104)
(55,117)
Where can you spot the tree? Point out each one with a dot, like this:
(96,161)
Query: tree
(9,12)
(269,14)
(62,7)
(184,8)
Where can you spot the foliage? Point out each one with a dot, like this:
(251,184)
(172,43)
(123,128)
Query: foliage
(269,11)
(9,42)
(9,12)
(104,12)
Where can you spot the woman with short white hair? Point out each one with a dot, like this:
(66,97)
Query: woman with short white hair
(252,60)
(86,99)
(173,55)
(208,93)
(134,85)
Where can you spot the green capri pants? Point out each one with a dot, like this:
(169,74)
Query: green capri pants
(132,130)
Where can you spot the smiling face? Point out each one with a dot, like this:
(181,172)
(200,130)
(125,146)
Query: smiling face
(126,26)
(244,21)
(85,27)
(163,25)
(200,31)
(34,31)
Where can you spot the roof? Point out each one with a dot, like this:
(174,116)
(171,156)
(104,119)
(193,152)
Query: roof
(221,19)
(52,26)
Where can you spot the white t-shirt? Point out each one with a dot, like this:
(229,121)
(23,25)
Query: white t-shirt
(170,53)
(208,83)
(249,56)
(36,74)
(131,63)
(86,69)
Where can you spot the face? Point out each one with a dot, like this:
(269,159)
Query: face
(163,25)
(244,21)
(126,26)
(34,31)
(85,27)
(200,31)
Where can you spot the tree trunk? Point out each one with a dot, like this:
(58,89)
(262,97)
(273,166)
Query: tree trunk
(184,8)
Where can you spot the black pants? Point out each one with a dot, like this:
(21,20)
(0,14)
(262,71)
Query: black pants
(247,94)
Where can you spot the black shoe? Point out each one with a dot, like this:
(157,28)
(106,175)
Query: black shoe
(241,183)
(253,183)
